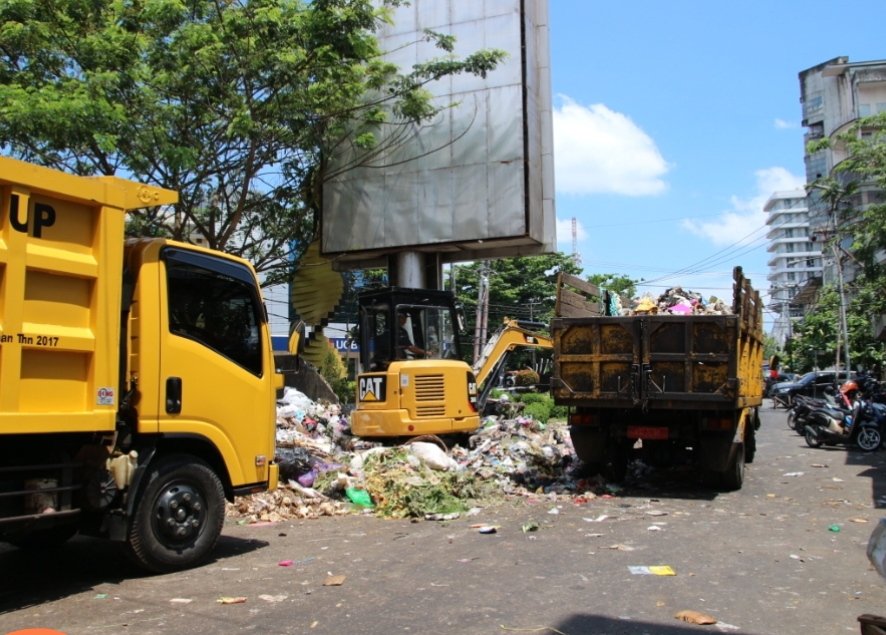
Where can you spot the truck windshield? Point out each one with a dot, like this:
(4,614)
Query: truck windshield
(216,309)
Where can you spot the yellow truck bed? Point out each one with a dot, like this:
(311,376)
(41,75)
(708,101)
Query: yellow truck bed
(61,258)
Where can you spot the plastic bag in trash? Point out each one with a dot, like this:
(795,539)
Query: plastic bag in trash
(293,462)
(433,456)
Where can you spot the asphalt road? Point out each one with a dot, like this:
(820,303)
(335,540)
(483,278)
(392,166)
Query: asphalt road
(767,560)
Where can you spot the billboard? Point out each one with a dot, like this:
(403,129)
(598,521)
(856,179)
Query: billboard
(477,182)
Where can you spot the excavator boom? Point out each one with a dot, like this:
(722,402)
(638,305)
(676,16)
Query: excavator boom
(512,335)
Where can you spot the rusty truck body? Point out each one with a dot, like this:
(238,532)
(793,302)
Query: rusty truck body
(665,388)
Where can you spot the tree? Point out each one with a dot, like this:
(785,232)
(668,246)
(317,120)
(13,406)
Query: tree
(233,103)
(865,143)
(814,338)
(621,285)
(520,287)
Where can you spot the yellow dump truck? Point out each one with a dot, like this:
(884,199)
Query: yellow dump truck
(137,381)
(665,388)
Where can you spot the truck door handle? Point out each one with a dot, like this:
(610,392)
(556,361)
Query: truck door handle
(173,395)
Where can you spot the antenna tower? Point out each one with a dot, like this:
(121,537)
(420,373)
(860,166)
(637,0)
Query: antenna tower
(576,257)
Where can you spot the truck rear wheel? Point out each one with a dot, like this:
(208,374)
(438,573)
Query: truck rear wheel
(178,516)
(733,477)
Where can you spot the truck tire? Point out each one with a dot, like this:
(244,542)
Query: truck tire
(750,445)
(733,477)
(178,516)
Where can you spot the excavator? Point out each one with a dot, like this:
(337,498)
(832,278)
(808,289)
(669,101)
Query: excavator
(414,381)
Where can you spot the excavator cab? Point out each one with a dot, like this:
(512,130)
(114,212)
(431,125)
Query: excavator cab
(413,380)
(407,324)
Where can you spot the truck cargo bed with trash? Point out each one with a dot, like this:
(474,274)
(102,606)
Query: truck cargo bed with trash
(672,381)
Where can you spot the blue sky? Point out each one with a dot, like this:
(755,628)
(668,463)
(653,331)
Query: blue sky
(674,121)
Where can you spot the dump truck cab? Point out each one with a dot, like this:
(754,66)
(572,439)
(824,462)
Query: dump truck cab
(138,378)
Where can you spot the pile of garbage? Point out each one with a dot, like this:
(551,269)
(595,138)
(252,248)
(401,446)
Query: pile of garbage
(325,471)
(677,301)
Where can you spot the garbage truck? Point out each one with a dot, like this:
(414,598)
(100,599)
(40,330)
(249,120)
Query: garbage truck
(137,380)
(668,388)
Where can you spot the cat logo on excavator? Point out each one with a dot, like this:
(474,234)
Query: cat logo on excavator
(372,388)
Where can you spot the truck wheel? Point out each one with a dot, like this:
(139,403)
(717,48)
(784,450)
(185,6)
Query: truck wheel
(750,446)
(733,477)
(178,516)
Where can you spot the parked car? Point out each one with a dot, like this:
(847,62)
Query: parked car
(816,383)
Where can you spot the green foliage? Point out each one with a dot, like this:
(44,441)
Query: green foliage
(526,377)
(844,193)
(865,141)
(539,411)
(399,492)
(621,285)
(232,104)
(813,344)
(770,346)
(541,407)
(521,287)
(333,370)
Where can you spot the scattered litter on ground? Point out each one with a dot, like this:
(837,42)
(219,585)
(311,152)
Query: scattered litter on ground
(485,529)
(272,598)
(663,569)
(231,600)
(695,617)
(334,580)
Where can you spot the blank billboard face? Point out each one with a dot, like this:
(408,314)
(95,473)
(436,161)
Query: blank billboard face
(475,182)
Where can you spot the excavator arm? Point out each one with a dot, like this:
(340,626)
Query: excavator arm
(512,335)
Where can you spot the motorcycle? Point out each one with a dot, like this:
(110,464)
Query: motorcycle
(862,428)
(803,406)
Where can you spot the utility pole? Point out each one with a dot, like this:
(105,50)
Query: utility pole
(482,311)
(835,195)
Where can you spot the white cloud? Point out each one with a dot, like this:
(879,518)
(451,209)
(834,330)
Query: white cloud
(782,124)
(745,221)
(597,150)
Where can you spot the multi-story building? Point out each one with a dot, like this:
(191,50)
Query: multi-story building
(795,257)
(834,95)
